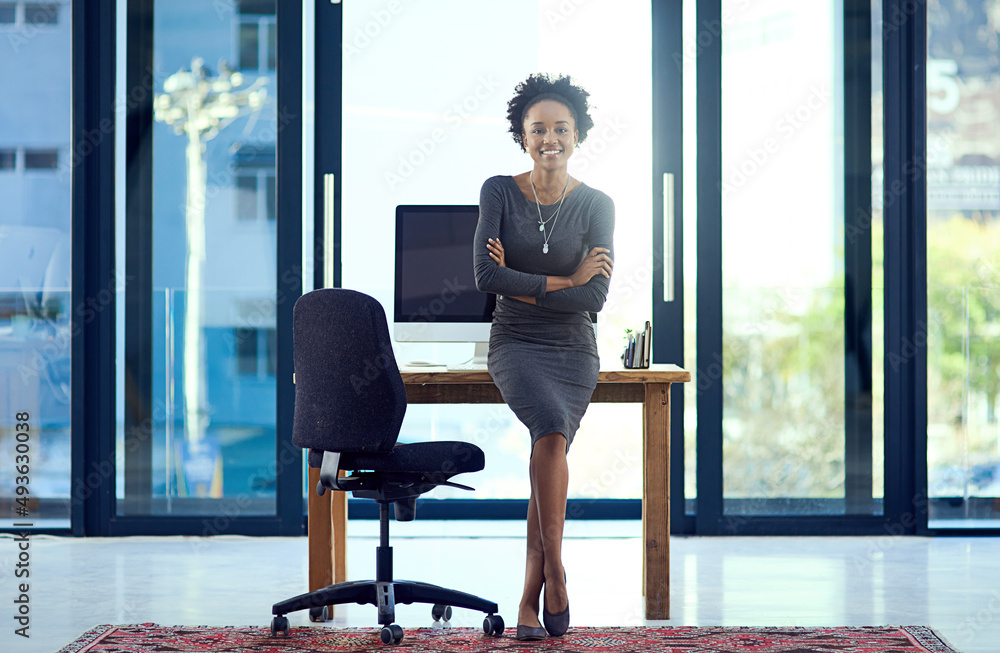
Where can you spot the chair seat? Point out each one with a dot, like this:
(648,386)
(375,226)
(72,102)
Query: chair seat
(419,457)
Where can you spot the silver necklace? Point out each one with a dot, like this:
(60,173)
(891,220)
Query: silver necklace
(553,217)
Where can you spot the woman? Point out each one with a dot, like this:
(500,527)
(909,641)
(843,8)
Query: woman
(544,247)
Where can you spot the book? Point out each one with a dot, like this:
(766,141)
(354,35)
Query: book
(648,342)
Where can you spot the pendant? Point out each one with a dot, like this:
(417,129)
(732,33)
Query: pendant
(545,248)
(541,227)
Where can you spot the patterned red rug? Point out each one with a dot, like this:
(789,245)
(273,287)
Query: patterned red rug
(198,639)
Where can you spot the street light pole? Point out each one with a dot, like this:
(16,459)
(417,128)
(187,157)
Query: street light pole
(199,105)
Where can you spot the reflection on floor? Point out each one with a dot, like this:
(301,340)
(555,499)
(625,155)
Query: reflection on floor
(951,584)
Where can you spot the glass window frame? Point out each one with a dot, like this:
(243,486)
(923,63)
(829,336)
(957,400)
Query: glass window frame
(94,224)
(93,209)
(902,478)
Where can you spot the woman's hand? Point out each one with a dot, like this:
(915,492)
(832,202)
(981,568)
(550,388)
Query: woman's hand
(597,262)
(496,251)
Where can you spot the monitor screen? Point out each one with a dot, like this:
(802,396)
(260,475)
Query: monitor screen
(435,281)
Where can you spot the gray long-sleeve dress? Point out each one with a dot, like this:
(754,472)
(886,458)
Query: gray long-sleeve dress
(543,357)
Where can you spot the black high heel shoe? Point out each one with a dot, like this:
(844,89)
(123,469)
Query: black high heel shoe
(530,633)
(557,624)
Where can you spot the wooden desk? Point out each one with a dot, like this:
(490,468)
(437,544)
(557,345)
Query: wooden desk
(651,388)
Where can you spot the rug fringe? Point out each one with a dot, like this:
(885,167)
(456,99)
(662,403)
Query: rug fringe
(944,640)
(96,634)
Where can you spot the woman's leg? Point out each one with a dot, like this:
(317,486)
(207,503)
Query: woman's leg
(549,484)
(528,610)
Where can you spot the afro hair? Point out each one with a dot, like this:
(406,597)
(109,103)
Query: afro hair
(541,87)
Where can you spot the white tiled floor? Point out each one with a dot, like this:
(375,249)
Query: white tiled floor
(951,584)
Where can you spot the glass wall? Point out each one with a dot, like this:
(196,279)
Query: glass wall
(36,164)
(963,263)
(783,198)
(418,131)
(423,125)
(213,356)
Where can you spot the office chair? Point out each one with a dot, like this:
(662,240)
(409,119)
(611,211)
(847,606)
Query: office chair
(349,407)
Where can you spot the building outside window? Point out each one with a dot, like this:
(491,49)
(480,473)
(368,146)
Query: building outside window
(257,36)
(41,159)
(255,195)
(256,351)
(35,253)
(21,15)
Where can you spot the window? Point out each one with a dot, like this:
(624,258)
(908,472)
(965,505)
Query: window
(963,279)
(270,197)
(272,45)
(255,195)
(258,35)
(385,91)
(37,254)
(271,362)
(255,182)
(41,159)
(256,351)
(794,441)
(246,351)
(259,7)
(41,13)
(249,47)
(206,351)
(246,197)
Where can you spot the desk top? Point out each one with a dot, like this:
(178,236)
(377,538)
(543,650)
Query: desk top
(660,373)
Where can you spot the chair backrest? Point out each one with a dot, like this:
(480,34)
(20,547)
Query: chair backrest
(348,392)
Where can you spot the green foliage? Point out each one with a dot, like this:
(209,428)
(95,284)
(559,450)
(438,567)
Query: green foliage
(783,367)
(784,387)
(963,263)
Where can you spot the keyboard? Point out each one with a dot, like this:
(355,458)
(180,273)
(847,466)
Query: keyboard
(467,367)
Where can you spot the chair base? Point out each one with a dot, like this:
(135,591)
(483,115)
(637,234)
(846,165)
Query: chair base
(385,595)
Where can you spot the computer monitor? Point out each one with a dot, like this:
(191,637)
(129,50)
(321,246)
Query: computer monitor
(435,292)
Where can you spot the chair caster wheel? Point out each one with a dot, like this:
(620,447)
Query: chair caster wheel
(439,611)
(493,625)
(318,615)
(280,625)
(392,634)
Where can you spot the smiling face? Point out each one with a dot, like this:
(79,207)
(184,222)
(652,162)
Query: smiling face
(550,134)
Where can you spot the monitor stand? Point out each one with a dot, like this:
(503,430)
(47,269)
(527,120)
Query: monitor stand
(479,356)
(478,361)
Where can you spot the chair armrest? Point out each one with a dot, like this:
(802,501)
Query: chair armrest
(329,473)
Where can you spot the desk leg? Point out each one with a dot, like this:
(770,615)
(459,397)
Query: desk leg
(656,500)
(339,520)
(327,537)
(320,535)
